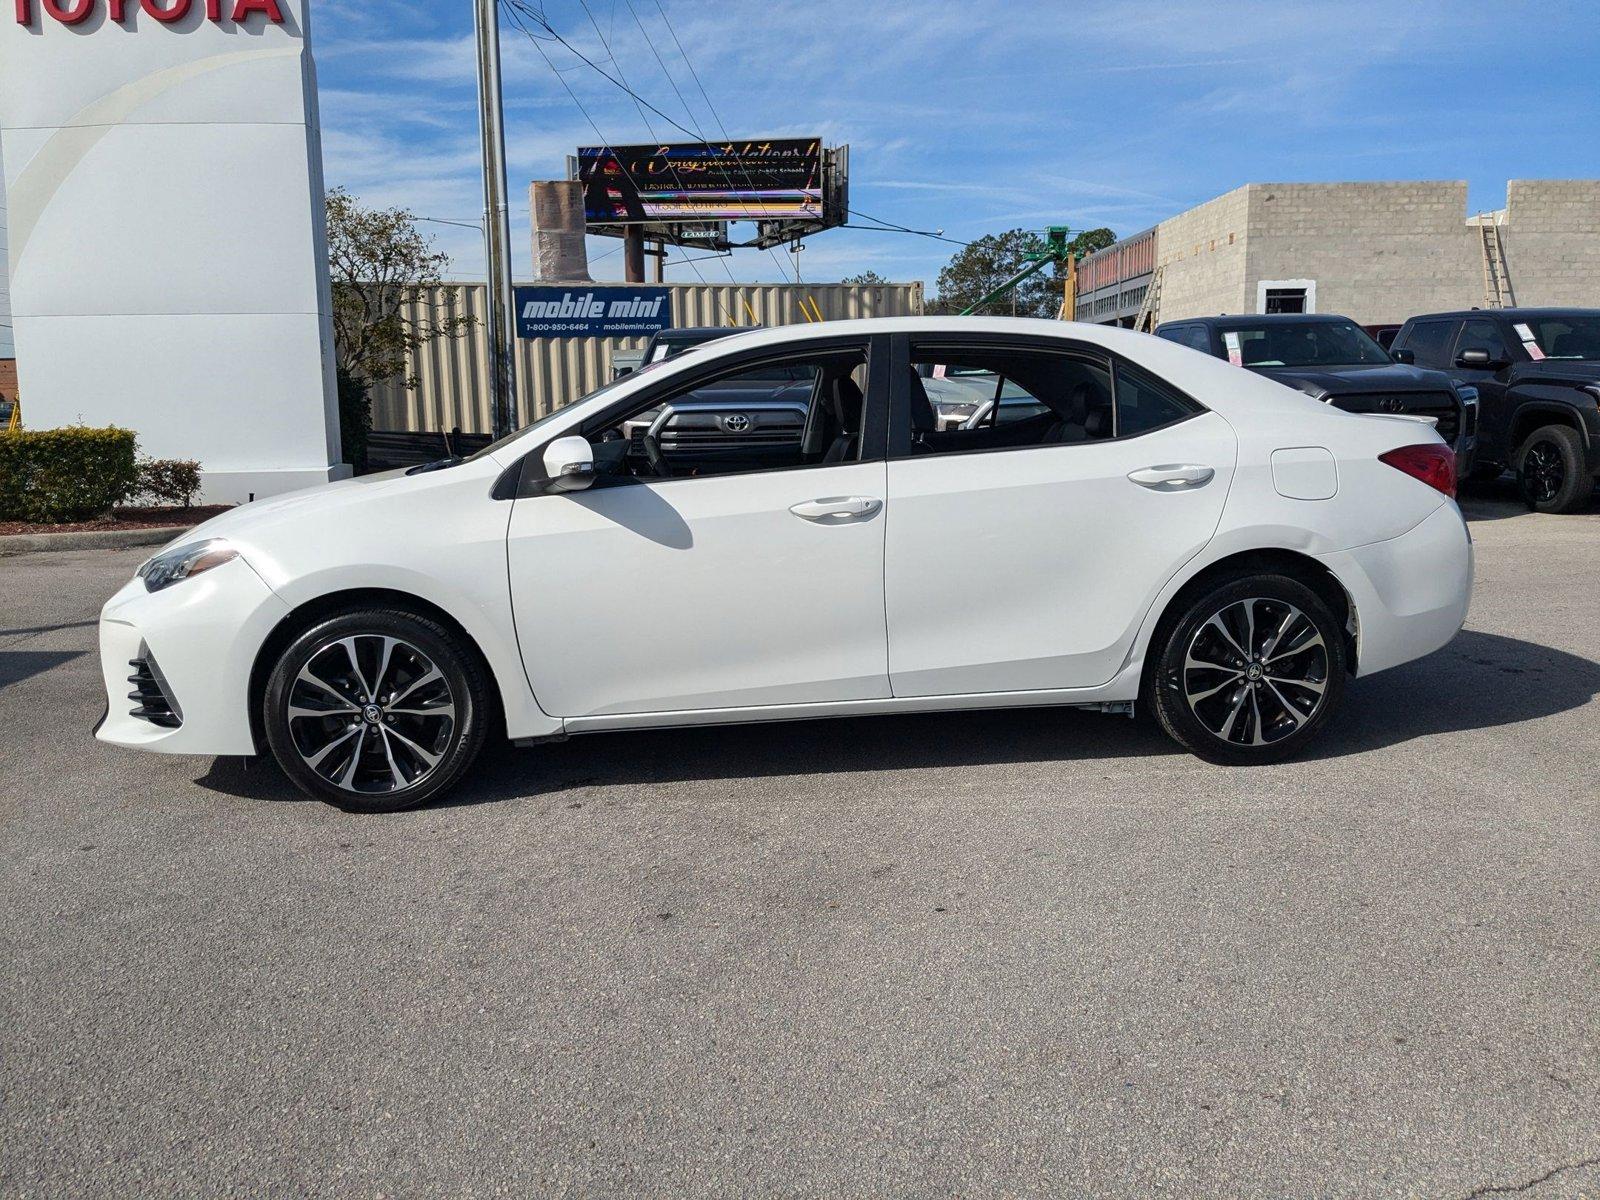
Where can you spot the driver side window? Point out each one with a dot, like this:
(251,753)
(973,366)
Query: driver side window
(797,410)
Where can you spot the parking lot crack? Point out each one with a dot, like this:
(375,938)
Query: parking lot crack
(1507,1189)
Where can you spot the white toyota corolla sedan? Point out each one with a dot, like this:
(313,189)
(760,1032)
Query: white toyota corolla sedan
(791,535)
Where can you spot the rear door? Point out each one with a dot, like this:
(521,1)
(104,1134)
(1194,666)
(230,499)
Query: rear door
(1024,557)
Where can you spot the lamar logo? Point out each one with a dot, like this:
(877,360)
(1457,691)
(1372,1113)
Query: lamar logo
(72,12)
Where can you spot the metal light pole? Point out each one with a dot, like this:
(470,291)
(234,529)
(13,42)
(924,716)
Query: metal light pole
(496,220)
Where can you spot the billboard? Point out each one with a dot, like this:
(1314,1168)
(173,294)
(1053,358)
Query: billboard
(544,312)
(776,179)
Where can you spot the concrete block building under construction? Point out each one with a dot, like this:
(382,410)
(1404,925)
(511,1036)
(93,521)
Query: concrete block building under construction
(1376,252)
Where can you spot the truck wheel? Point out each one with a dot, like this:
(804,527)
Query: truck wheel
(1550,470)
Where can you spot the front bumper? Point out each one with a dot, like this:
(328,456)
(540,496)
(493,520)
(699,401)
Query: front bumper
(1411,592)
(200,638)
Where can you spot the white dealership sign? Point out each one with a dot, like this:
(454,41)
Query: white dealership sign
(164,207)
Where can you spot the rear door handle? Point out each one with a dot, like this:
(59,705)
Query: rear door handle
(837,508)
(1173,477)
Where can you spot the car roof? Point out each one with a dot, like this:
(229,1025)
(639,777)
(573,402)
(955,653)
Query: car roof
(705,332)
(1554,310)
(1254,320)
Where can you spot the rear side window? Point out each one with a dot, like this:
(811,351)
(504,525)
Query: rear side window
(1429,341)
(1145,403)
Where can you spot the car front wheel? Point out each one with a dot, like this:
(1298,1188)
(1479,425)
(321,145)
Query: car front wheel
(376,710)
(1251,671)
(1550,470)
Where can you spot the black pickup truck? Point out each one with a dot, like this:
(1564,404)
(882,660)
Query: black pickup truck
(1537,375)
(1331,359)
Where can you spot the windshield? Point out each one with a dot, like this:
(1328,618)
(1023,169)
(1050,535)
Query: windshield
(666,348)
(1303,344)
(1570,336)
(629,378)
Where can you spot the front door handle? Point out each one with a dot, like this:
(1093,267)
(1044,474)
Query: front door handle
(834,509)
(1173,477)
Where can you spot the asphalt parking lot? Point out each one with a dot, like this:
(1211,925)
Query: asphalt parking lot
(1024,953)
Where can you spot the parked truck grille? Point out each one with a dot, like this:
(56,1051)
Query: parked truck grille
(1441,406)
(155,700)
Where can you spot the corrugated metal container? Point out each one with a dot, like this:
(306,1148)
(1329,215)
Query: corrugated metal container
(452,389)
(1112,282)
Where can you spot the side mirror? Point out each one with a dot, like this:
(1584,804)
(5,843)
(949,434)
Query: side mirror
(1476,358)
(568,464)
(1403,356)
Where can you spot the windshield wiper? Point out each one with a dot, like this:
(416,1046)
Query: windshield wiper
(438,464)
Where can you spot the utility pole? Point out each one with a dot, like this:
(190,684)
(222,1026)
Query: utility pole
(496,220)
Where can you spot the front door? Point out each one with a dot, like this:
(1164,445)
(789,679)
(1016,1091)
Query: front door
(1484,333)
(703,575)
(1023,555)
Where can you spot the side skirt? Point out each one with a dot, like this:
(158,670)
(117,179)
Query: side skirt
(1117,697)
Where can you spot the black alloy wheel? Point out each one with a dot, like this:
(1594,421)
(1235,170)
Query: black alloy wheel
(1251,671)
(376,711)
(1550,470)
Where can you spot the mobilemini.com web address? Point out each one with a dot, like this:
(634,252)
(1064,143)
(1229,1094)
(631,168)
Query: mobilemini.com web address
(586,327)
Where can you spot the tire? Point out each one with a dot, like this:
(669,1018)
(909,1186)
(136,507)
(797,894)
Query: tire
(1225,714)
(1550,470)
(406,710)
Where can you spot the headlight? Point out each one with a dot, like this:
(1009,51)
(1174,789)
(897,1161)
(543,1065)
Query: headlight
(1468,393)
(955,410)
(181,562)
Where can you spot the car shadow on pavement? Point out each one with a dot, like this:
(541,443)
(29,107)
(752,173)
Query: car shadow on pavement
(18,665)
(1479,681)
(819,747)
(1498,500)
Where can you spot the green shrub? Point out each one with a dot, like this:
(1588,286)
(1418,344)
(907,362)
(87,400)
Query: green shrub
(168,481)
(71,474)
(355,419)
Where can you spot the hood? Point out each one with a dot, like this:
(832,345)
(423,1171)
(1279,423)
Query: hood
(1361,377)
(306,503)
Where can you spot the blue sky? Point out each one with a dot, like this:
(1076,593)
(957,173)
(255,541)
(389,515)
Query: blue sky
(977,117)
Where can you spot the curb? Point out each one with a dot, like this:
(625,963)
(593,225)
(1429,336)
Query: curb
(89,539)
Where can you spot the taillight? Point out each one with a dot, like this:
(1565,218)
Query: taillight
(1432,463)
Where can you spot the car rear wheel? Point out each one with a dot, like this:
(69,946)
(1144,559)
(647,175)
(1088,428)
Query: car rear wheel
(1550,470)
(376,711)
(1250,672)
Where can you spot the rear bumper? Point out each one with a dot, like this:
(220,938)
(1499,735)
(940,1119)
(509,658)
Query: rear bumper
(200,638)
(1411,592)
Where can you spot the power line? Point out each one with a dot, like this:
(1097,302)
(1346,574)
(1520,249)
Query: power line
(543,22)
(710,107)
(478,225)
(892,227)
(638,105)
(700,133)
(514,7)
